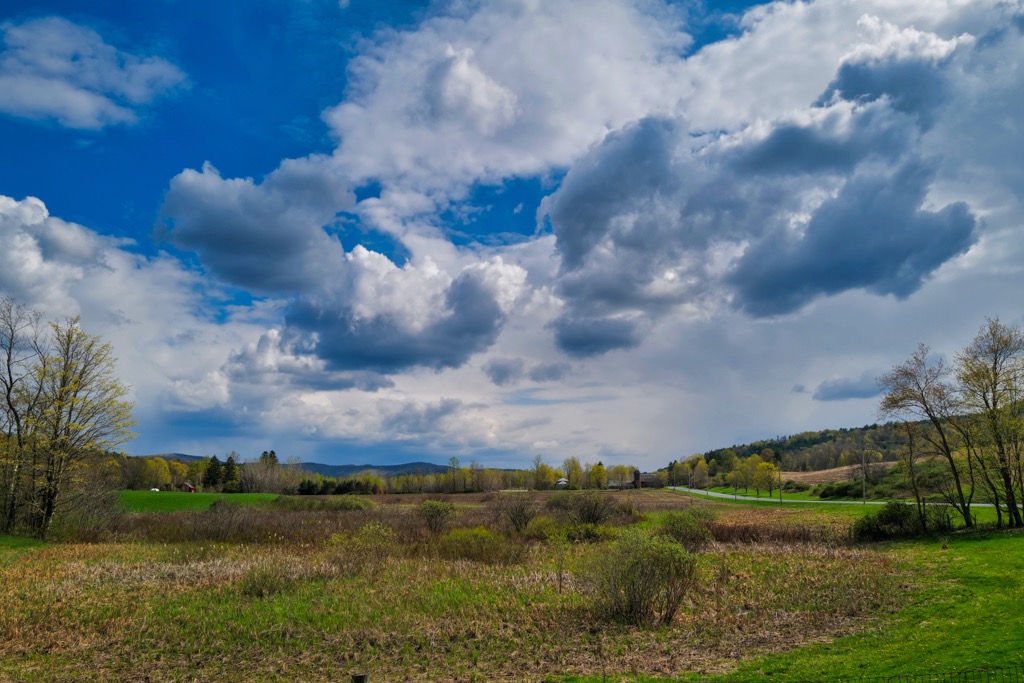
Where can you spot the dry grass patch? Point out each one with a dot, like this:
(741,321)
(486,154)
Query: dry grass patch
(830,476)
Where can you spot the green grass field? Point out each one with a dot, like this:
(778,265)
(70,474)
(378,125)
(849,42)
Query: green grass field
(177,501)
(983,516)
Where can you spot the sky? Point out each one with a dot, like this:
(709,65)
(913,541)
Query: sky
(622,230)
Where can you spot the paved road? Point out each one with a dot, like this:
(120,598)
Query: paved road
(729,496)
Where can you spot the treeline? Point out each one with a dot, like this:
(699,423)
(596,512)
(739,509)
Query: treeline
(474,478)
(61,410)
(267,474)
(821,450)
(757,472)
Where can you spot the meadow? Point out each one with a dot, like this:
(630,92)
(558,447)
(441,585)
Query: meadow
(267,590)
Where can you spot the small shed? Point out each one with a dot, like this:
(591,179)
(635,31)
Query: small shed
(187,487)
(562,483)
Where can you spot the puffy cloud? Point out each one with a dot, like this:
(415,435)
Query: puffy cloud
(902,65)
(874,235)
(504,371)
(268,236)
(499,89)
(457,90)
(838,194)
(45,258)
(843,389)
(787,53)
(51,68)
(291,364)
(411,420)
(549,372)
(583,337)
(511,371)
(455,318)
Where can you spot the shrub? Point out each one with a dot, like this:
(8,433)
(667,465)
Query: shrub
(893,520)
(479,545)
(939,518)
(367,550)
(841,489)
(517,509)
(90,520)
(543,528)
(582,532)
(687,528)
(437,514)
(627,507)
(583,507)
(640,580)
(795,486)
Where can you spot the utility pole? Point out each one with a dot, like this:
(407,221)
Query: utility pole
(863,477)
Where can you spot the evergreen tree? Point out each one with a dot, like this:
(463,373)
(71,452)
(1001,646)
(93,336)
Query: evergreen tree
(214,474)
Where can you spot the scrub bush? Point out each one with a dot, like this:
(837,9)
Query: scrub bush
(640,579)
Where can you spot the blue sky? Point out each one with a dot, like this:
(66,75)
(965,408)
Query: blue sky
(626,230)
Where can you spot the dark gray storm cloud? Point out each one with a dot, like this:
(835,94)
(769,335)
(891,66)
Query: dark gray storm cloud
(594,336)
(833,144)
(844,389)
(468,322)
(266,237)
(826,200)
(549,372)
(511,371)
(415,419)
(616,220)
(502,371)
(609,192)
(875,235)
(911,85)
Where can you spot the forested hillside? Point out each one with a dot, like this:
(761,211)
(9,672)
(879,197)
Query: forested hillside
(821,450)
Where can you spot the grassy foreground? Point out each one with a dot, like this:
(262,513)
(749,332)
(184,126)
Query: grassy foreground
(963,611)
(390,604)
(957,609)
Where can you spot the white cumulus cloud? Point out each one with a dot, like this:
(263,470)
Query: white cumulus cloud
(53,69)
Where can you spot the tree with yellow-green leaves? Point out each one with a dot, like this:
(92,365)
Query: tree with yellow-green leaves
(766,478)
(62,410)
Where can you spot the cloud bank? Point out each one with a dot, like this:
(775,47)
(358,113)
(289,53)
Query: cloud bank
(716,224)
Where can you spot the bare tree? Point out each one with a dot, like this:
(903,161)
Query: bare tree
(990,371)
(22,352)
(919,390)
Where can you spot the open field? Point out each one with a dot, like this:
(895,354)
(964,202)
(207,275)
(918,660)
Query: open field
(177,501)
(845,473)
(778,593)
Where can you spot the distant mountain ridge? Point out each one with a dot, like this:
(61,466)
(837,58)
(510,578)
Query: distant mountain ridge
(332,470)
(391,470)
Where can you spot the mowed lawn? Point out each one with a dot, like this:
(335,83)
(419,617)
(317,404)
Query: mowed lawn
(177,501)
